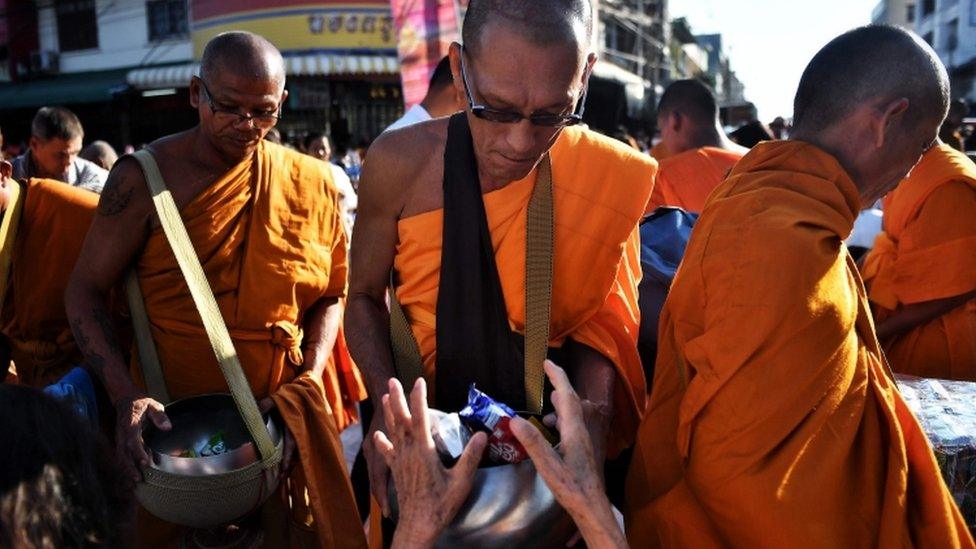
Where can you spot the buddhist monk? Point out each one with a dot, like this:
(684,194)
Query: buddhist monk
(700,153)
(443,205)
(265,224)
(920,271)
(774,420)
(47,238)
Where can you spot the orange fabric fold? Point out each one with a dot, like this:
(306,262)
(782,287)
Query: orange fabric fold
(685,180)
(52,229)
(269,236)
(773,420)
(927,252)
(599,190)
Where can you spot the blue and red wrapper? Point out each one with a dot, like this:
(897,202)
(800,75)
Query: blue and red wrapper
(485,414)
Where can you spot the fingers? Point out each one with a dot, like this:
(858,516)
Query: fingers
(467,464)
(398,406)
(384,446)
(547,462)
(265,404)
(157,415)
(550,420)
(418,410)
(557,376)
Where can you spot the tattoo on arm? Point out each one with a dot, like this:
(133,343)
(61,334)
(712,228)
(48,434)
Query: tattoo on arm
(114,199)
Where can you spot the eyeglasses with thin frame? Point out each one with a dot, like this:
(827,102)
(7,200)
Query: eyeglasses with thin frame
(264,121)
(545,119)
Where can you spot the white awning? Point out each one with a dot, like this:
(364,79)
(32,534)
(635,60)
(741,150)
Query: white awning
(178,76)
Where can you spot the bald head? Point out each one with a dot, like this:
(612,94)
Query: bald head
(242,54)
(872,64)
(541,22)
(691,98)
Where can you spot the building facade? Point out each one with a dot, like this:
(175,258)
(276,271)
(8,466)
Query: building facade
(900,13)
(124,66)
(949,26)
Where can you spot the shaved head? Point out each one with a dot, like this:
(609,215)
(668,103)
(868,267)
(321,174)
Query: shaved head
(871,64)
(542,22)
(242,54)
(691,98)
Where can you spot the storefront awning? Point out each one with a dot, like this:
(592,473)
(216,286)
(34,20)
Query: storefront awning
(65,89)
(178,76)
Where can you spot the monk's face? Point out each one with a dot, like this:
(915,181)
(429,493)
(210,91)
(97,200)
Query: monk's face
(515,75)
(237,110)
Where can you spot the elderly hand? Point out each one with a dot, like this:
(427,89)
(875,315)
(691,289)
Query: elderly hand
(428,494)
(571,470)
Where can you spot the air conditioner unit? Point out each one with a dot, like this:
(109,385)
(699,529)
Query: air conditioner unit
(44,62)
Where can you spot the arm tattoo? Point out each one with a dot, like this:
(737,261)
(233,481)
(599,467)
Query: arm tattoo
(114,199)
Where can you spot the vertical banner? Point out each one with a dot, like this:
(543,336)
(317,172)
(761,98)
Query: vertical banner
(425,30)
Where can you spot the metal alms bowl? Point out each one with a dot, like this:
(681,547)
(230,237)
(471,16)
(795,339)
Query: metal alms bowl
(509,507)
(203,492)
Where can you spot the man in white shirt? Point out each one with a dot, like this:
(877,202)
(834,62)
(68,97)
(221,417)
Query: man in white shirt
(317,145)
(441,99)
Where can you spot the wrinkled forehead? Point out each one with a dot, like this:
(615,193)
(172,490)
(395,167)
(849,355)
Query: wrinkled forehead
(519,71)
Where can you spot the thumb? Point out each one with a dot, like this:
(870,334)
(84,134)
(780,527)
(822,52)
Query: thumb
(530,438)
(469,460)
(158,416)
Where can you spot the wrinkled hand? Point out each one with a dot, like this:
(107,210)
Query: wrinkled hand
(428,494)
(570,470)
(131,416)
(289,451)
(376,467)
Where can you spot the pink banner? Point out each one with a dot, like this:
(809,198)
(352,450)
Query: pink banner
(425,30)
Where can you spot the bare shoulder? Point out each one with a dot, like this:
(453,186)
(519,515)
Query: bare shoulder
(403,166)
(125,193)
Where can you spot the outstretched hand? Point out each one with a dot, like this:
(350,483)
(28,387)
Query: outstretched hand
(570,470)
(428,494)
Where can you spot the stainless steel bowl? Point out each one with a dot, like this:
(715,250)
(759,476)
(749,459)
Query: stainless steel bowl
(195,420)
(509,507)
(207,492)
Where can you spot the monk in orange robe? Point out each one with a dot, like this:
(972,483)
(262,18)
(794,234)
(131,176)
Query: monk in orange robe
(920,272)
(49,234)
(409,193)
(700,154)
(268,232)
(774,420)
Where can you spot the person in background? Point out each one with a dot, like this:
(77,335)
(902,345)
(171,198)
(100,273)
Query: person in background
(700,154)
(779,128)
(274,136)
(101,154)
(441,99)
(751,134)
(952,132)
(60,485)
(56,136)
(317,145)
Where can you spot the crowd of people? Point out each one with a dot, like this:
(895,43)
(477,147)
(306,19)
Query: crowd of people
(490,239)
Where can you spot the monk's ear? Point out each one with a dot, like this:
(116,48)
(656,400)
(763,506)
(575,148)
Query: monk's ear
(6,169)
(455,55)
(892,114)
(195,92)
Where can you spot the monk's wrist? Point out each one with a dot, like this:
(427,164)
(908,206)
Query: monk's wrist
(413,535)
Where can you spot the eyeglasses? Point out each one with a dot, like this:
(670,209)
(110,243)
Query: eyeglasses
(263,121)
(545,119)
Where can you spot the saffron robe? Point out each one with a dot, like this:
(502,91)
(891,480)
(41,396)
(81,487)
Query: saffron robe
(54,221)
(774,421)
(685,180)
(600,188)
(927,251)
(269,236)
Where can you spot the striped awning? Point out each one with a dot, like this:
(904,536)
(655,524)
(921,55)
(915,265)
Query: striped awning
(178,76)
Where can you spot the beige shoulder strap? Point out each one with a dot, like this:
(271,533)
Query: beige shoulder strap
(203,298)
(152,370)
(538,299)
(8,234)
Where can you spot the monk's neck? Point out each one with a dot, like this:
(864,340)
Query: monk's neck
(489,184)
(208,156)
(712,137)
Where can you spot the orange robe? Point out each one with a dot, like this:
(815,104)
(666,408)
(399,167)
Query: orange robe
(773,420)
(599,189)
(926,252)
(269,236)
(53,225)
(685,180)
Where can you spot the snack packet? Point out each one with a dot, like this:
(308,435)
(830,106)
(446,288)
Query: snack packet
(483,413)
(450,435)
(214,446)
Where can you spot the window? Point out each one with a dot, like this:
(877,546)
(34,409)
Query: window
(167,19)
(928,6)
(77,24)
(910,15)
(951,33)
(929,38)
